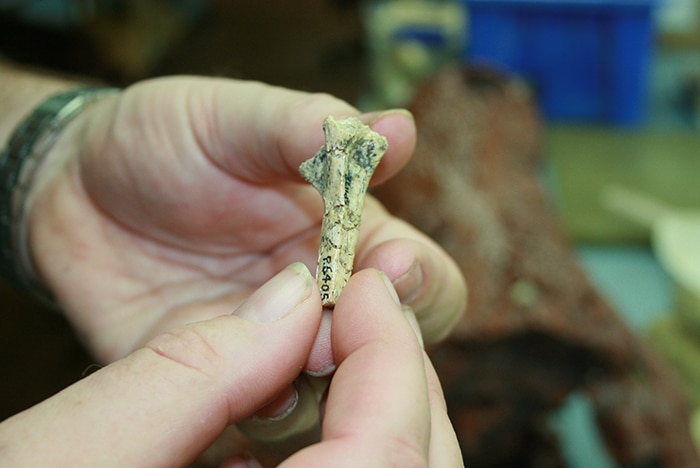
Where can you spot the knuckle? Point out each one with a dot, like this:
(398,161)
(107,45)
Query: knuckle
(187,346)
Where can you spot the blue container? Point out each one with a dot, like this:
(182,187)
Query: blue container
(588,60)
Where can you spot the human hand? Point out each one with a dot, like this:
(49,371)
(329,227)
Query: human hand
(164,404)
(173,202)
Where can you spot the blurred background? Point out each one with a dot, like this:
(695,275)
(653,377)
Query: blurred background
(616,82)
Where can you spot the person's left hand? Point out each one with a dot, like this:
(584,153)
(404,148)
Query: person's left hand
(171,203)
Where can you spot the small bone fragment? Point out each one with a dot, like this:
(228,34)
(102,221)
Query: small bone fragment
(341,171)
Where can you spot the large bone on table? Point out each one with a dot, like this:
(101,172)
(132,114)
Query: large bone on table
(341,171)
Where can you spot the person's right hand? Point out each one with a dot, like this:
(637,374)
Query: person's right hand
(164,404)
(385,406)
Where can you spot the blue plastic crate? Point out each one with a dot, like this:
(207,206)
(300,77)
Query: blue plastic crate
(588,60)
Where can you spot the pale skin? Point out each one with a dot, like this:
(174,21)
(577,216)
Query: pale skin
(166,208)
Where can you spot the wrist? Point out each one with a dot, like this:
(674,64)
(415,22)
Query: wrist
(20,162)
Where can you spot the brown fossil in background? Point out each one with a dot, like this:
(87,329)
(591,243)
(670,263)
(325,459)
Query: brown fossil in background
(535,330)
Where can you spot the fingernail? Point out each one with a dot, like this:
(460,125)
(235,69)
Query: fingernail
(408,286)
(241,461)
(371,118)
(320,361)
(301,418)
(411,318)
(390,288)
(281,407)
(322,371)
(279,296)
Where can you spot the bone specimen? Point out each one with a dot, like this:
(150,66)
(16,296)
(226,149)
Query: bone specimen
(341,171)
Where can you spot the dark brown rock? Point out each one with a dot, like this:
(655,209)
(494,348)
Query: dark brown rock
(535,330)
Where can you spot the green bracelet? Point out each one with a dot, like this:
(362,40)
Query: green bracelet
(19,164)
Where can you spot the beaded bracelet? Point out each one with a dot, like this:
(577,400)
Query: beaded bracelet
(19,163)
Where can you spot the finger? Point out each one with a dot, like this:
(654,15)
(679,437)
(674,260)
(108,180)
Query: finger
(444,445)
(271,440)
(263,133)
(294,418)
(281,405)
(425,277)
(320,362)
(378,409)
(164,404)
(399,128)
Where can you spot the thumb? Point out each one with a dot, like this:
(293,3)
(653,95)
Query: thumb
(263,133)
(165,404)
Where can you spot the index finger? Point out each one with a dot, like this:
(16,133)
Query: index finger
(378,410)
(262,132)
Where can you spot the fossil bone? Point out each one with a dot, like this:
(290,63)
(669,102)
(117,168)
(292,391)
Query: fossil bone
(341,171)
